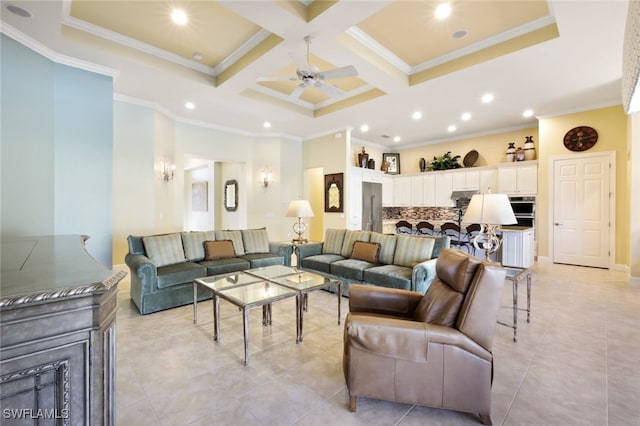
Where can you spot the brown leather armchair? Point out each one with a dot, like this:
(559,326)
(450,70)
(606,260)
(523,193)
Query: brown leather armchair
(432,349)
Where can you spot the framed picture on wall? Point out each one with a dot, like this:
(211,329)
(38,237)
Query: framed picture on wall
(333,193)
(199,196)
(392,162)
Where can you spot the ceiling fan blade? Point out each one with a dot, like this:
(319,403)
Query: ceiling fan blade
(297,92)
(329,89)
(261,79)
(348,71)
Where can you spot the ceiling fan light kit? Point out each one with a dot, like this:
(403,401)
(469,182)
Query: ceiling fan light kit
(310,76)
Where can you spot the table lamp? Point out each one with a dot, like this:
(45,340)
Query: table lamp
(489,211)
(299,209)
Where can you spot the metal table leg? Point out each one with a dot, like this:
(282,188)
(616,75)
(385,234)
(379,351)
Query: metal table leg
(195,302)
(216,316)
(515,310)
(245,327)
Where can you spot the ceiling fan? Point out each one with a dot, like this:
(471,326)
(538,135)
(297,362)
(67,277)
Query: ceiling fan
(309,75)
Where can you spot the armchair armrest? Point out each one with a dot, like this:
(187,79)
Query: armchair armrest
(309,249)
(422,275)
(403,339)
(282,249)
(382,300)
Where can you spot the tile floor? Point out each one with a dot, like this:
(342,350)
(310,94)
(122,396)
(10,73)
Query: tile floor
(576,363)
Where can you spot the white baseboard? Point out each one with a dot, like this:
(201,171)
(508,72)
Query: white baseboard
(635,281)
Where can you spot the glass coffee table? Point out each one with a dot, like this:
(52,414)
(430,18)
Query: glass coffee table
(246,292)
(303,282)
(261,287)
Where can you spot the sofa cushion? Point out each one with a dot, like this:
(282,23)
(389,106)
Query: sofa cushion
(255,240)
(179,273)
(214,250)
(365,251)
(224,266)
(351,269)
(351,237)
(412,250)
(333,240)
(193,243)
(320,262)
(236,237)
(392,276)
(258,260)
(387,246)
(164,249)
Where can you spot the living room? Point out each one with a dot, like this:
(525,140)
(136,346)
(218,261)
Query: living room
(55,182)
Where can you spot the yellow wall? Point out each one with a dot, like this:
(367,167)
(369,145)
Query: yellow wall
(490,149)
(611,124)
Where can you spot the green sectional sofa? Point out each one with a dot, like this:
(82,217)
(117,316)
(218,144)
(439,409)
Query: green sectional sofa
(365,257)
(163,267)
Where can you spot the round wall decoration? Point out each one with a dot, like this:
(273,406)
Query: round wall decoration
(580,138)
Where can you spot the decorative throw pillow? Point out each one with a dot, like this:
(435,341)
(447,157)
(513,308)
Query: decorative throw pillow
(365,251)
(164,249)
(214,250)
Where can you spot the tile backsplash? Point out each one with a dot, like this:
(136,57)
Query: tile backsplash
(438,214)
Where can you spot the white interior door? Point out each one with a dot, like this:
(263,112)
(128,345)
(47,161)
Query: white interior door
(581,211)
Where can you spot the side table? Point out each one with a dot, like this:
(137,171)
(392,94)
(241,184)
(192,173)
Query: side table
(515,275)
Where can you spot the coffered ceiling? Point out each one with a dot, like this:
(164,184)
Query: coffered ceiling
(237,60)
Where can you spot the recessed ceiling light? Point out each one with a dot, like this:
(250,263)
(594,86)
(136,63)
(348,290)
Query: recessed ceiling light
(396,139)
(460,34)
(179,17)
(527,113)
(466,116)
(451,128)
(416,115)
(487,98)
(364,128)
(17,10)
(197,56)
(189,105)
(267,125)
(443,11)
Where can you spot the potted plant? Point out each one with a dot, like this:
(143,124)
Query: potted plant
(445,162)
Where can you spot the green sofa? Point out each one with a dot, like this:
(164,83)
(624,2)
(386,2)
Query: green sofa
(401,261)
(164,266)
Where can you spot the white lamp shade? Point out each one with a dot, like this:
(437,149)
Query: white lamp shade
(490,209)
(299,208)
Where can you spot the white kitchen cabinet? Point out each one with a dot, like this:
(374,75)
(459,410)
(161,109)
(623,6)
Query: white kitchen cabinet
(466,180)
(429,190)
(518,247)
(402,191)
(417,191)
(387,191)
(488,181)
(444,187)
(371,175)
(518,179)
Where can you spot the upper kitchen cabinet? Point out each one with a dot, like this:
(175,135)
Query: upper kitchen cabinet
(444,188)
(402,191)
(518,178)
(387,191)
(465,180)
(488,180)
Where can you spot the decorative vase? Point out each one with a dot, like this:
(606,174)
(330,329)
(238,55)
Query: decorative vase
(363,159)
(423,165)
(510,154)
(519,154)
(371,164)
(384,166)
(529,149)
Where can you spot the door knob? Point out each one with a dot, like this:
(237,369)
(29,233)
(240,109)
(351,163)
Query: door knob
(557,224)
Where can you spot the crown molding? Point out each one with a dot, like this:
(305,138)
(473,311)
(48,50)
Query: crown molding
(53,56)
(362,37)
(470,136)
(246,47)
(581,109)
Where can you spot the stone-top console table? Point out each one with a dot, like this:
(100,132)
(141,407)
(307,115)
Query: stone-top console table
(57,333)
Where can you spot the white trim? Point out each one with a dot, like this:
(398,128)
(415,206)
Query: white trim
(53,56)
(134,44)
(328,132)
(368,42)
(365,142)
(182,120)
(611,155)
(246,47)
(470,135)
(281,96)
(582,108)
(489,42)
(347,95)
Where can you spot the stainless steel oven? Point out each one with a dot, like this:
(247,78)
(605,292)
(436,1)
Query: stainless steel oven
(524,209)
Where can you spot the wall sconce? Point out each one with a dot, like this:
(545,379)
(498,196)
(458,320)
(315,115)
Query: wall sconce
(265,177)
(168,171)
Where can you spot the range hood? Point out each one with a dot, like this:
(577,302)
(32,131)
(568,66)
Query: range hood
(457,195)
